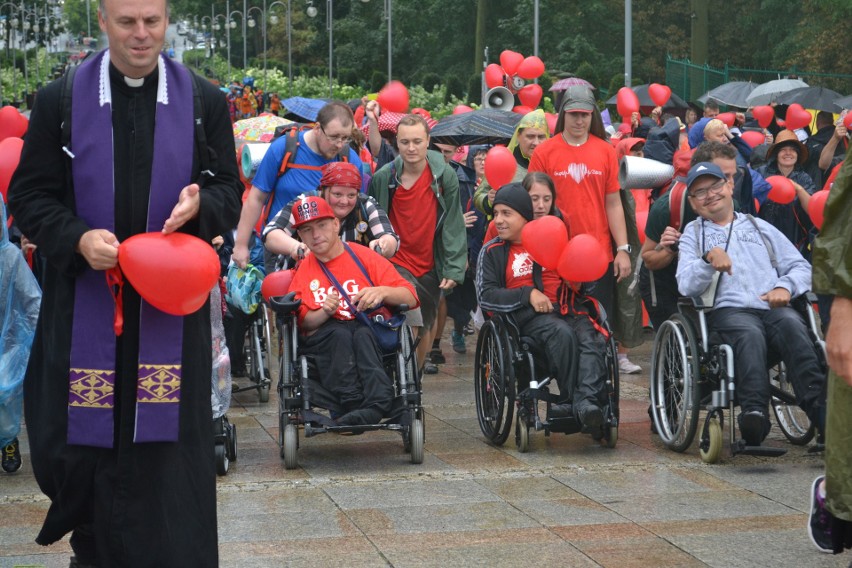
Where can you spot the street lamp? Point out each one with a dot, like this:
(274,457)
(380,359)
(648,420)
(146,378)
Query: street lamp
(274,20)
(232,25)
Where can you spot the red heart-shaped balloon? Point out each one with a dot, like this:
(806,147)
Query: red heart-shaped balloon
(544,239)
(782,190)
(660,94)
(500,166)
(797,117)
(276,284)
(753,138)
(530,95)
(764,115)
(728,118)
(510,61)
(10,155)
(531,67)
(394,97)
(461,109)
(493,76)
(582,260)
(521,109)
(174,272)
(627,103)
(13,124)
(816,207)
(847,121)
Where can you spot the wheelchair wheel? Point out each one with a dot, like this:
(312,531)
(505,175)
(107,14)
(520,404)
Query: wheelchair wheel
(418,439)
(494,388)
(611,436)
(710,447)
(675,372)
(222,461)
(232,442)
(522,434)
(263,391)
(290,446)
(794,423)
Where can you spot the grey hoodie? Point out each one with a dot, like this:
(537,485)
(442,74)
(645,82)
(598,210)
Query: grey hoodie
(752,271)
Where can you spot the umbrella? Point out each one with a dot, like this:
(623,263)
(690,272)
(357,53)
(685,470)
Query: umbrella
(734,93)
(306,109)
(818,98)
(843,103)
(645,99)
(484,126)
(768,92)
(563,84)
(258,129)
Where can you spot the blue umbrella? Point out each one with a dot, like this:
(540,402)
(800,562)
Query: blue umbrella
(302,108)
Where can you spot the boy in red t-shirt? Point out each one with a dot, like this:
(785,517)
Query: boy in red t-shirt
(345,351)
(510,281)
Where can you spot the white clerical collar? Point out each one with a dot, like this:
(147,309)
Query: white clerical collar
(131,82)
(105,93)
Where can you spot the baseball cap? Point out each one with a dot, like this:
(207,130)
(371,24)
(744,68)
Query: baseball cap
(309,209)
(703,169)
(578,98)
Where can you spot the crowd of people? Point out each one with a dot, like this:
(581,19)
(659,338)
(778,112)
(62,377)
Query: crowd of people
(374,219)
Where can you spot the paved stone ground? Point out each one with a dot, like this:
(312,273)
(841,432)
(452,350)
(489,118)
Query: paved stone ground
(357,501)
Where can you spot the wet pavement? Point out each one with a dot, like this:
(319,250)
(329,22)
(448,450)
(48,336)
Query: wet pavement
(358,501)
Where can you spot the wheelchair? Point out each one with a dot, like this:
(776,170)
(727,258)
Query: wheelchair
(510,379)
(691,372)
(257,355)
(298,381)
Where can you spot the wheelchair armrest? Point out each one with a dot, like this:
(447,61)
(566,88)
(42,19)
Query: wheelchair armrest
(697,303)
(400,309)
(285,305)
(810,297)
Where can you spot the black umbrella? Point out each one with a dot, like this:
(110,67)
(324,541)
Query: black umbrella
(731,94)
(645,99)
(818,98)
(484,126)
(843,103)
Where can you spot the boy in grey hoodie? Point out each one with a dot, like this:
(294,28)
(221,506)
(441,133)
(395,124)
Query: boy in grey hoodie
(759,271)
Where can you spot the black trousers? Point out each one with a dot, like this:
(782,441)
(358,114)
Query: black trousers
(461,302)
(760,336)
(350,365)
(661,299)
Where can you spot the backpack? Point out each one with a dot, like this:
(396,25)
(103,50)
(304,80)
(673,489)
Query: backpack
(292,144)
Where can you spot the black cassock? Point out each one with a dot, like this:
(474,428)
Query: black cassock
(151,504)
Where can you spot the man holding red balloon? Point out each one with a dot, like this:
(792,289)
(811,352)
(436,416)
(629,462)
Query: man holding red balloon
(583,166)
(120,427)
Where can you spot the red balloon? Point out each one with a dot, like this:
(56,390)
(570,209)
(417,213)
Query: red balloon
(276,284)
(493,76)
(13,124)
(419,111)
(641,223)
(530,95)
(544,239)
(797,117)
(764,115)
(10,155)
(816,207)
(531,67)
(510,61)
(728,118)
(782,190)
(522,109)
(753,138)
(660,94)
(583,260)
(551,119)
(847,121)
(174,273)
(781,122)
(500,166)
(756,205)
(626,102)
(460,109)
(394,97)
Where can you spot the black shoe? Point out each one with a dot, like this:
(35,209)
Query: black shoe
(430,368)
(591,417)
(437,357)
(561,410)
(753,427)
(360,417)
(11,457)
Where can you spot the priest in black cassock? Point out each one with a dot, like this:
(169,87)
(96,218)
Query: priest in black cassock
(120,427)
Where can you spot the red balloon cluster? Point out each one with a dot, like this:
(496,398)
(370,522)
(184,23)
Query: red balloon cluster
(513,69)
(276,284)
(394,97)
(816,207)
(764,115)
(12,123)
(782,190)
(797,117)
(174,273)
(660,94)
(500,166)
(581,259)
(627,103)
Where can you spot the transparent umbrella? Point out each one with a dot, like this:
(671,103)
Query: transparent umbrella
(769,92)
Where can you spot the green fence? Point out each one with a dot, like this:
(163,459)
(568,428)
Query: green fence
(690,81)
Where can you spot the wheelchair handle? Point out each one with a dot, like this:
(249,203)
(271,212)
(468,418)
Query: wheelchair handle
(285,305)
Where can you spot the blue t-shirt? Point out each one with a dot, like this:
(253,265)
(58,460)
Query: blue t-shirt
(296,180)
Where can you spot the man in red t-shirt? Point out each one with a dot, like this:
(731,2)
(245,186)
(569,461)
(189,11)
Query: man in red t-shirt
(509,281)
(420,192)
(584,168)
(345,351)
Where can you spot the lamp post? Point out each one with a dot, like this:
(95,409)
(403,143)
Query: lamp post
(273,19)
(388,13)
(232,25)
(329,25)
(12,28)
(252,23)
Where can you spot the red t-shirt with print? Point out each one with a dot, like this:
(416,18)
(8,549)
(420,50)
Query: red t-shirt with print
(312,286)
(414,215)
(519,273)
(583,176)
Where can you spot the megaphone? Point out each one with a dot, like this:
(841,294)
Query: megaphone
(643,173)
(499,98)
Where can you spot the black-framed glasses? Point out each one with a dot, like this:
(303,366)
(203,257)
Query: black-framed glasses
(701,194)
(336,139)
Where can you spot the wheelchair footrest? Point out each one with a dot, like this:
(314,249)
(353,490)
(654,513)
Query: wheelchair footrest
(740,447)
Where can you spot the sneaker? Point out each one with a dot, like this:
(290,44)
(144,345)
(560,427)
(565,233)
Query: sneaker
(469,329)
(458,342)
(627,367)
(430,368)
(11,460)
(820,520)
(437,357)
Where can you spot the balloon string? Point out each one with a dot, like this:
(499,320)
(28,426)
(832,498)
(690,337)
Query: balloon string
(115,282)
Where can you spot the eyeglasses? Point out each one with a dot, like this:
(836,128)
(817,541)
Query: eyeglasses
(479,159)
(336,139)
(701,194)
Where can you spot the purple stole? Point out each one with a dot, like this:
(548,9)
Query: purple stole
(92,376)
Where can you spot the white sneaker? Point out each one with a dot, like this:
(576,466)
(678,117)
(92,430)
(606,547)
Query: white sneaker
(627,367)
